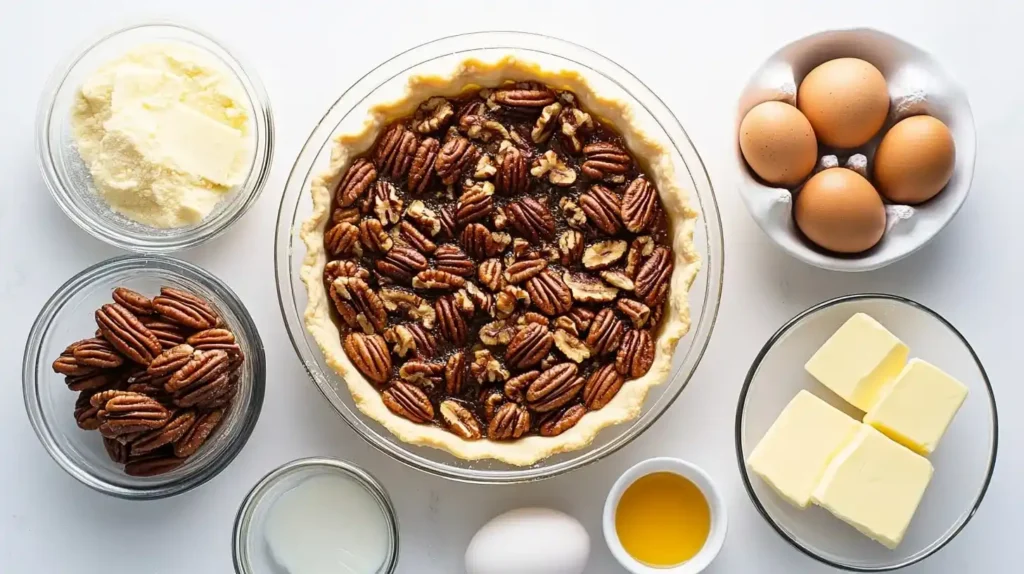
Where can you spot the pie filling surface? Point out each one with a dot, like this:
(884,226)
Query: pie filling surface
(492,269)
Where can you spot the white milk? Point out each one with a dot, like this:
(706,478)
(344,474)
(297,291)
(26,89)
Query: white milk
(327,524)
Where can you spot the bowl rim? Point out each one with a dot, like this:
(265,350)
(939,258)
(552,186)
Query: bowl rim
(241,531)
(831,262)
(740,410)
(246,196)
(702,480)
(714,265)
(49,313)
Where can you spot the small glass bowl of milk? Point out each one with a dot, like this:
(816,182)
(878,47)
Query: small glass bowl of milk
(316,516)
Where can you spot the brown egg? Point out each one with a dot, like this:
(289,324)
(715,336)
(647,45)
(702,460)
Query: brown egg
(915,160)
(846,100)
(778,143)
(840,211)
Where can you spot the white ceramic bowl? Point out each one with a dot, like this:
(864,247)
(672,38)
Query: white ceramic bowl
(719,516)
(917,85)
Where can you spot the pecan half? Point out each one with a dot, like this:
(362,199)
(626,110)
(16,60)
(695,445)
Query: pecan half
(395,151)
(528,346)
(607,161)
(118,452)
(558,423)
(369,354)
(127,334)
(358,305)
(401,264)
(476,240)
(475,203)
(359,177)
(346,215)
(639,205)
(212,339)
(641,248)
(524,270)
(481,128)
(602,207)
(135,302)
(424,218)
(549,294)
(374,237)
(587,289)
(169,334)
(489,274)
(512,177)
(85,413)
(456,155)
(605,334)
(581,318)
(637,312)
(185,309)
(653,277)
(506,300)
(166,363)
(126,413)
(574,214)
(342,240)
(416,238)
(482,301)
(201,369)
(531,219)
(97,352)
(343,268)
(545,124)
(408,401)
(515,388)
(510,422)
(66,364)
(92,381)
(617,279)
(450,321)
(570,346)
(485,167)
(497,333)
(570,247)
(459,420)
(604,254)
(385,203)
(576,124)
(486,369)
(636,354)
(433,115)
(554,388)
(558,172)
(455,373)
(213,393)
(170,433)
(446,222)
(532,96)
(450,259)
(152,465)
(437,279)
(421,373)
(602,386)
(412,339)
(198,433)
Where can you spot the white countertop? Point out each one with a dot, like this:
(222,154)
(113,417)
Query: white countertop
(696,59)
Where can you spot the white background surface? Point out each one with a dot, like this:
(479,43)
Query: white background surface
(696,57)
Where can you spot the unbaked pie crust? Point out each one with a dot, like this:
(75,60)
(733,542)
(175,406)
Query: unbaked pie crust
(653,156)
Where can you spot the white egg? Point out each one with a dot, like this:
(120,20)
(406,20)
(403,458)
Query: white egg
(529,541)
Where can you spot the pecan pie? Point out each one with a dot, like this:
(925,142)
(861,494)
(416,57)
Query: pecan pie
(499,272)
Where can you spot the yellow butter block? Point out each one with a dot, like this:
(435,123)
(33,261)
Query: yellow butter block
(858,361)
(793,454)
(875,485)
(916,409)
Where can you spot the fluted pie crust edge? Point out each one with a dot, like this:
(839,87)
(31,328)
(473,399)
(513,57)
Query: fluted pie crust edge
(652,155)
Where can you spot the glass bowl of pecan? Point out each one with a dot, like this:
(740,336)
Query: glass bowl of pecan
(143,376)
(499,256)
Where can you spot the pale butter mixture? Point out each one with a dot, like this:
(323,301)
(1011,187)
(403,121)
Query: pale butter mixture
(165,133)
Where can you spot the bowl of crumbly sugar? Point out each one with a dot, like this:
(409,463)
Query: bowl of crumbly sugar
(154,137)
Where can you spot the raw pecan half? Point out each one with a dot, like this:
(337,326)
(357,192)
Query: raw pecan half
(523,270)
(369,353)
(639,205)
(170,433)
(421,373)
(489,274)
(636,354)
(529,95)
(66,364)
(545,124)
(515,388)
(207,396)
(554,388)
(408,401)
(416,238)
(604,254)
(185,309)
(510,422)
(94,380)
(602,386)
(602,207)
(641,248)
(475,240)
(198,433)
(97,352)
(653,277)
(451,259)
(135,302)
(475,203)
(617,279)
(455,373)
(606,331)
(401,264)
(169,334)
(571,346)
(581,317)
(126,413)
(637,312)
(437,279)
(456,154)
(433,115)
(373,236)
(425,219)
(127,334)
(531,219)
(549,294)
(450,321)
(359,177)
(395,150)
(212,339)
(343,267)
(512,176)
(346,215)
(202,369)
(607,161)
(459,420)
(358,305)
(587,289)
(166,363)
(558,423)
(528,346)
(486,369)
(386,204)
(85,413)
(570,247)
(342,240)
(411,338)
(576,124)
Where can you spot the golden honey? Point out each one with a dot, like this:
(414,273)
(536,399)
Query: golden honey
(663,519)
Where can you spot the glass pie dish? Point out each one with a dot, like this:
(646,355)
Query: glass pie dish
(69,316)
(349,113)
(68,177)
(963,462)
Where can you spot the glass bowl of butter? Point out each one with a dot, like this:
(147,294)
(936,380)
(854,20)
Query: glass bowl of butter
(866,432)
(154,137)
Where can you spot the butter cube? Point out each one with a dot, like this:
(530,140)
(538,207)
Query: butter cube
(916,409)
(793,454)
(875,485)
(858,360)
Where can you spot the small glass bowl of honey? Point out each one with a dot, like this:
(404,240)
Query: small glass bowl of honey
(665,516)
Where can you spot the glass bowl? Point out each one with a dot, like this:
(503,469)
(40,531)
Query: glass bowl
(348,113)
(963,462)
(249,549)
(68,177)
(68,316)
